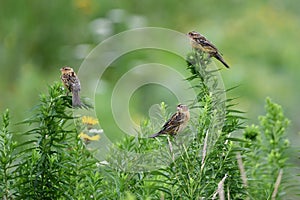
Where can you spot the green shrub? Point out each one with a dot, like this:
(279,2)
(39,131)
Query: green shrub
(53,163)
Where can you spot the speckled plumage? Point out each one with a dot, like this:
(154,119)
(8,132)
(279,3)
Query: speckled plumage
(72,83)
(176,123)
(198,41)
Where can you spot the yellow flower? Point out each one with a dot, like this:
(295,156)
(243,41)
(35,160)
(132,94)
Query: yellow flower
(89,138)
(89,120)
(84,5)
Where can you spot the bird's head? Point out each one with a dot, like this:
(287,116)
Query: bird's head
(194,35)
(66,69)
(182,108)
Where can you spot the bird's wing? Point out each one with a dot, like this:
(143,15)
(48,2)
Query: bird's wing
(173,123)
(206,43)
(75,82)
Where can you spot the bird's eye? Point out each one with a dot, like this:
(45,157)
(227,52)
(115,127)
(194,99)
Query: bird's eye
(192,33)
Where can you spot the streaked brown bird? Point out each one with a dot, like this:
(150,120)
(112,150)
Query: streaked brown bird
(198,41)
(176,123)
(72,83)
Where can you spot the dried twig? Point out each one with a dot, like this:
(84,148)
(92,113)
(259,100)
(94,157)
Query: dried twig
(220,189)
(204,150)
(242,169)
(277,183)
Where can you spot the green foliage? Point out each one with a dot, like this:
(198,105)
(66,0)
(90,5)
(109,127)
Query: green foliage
(55,164)
(210,157)
(213,162)
(196,167)
(8,158)
(46,163)
(267,154)
(206,161)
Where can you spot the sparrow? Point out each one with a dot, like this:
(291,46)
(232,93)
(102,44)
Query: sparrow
(176,123)
(198,41)
(72,83)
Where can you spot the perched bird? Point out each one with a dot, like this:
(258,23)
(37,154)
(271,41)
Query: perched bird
(176,123)
(200,42)
(72,83)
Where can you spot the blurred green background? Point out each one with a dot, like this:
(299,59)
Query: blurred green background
(259,39)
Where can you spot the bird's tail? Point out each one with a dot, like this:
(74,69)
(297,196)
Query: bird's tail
(76,99)
(155,135)
(220,58)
